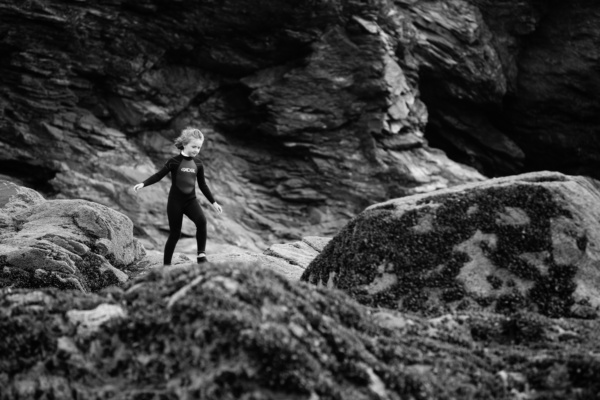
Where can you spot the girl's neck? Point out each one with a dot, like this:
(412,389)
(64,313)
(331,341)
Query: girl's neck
(183,154)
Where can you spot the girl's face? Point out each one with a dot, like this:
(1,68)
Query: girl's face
(192,148)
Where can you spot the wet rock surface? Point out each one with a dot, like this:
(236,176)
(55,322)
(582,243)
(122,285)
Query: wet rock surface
(527,242)
(229,331)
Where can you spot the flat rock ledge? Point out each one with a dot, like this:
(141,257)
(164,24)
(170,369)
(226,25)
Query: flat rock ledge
(287,259)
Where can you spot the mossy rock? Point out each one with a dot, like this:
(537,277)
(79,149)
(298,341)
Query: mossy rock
(234,331)
(528,242)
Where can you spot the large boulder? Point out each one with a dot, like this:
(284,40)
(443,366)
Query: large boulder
(525,242)
(233,332)
(71,244)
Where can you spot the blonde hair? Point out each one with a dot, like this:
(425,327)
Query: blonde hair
(187,135)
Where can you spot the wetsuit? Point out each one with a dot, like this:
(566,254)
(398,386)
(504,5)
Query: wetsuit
(185,171)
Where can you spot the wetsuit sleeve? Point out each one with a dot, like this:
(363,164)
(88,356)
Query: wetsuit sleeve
(159,175)
(202,184)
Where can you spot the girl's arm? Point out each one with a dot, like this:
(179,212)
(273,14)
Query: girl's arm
(205,190)
(154,178)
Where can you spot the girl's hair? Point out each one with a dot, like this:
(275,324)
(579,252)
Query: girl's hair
(187,135)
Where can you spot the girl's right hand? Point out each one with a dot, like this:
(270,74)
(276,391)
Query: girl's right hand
(138,186)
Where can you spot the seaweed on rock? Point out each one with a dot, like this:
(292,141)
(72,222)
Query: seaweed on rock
(421,248)
(240,332)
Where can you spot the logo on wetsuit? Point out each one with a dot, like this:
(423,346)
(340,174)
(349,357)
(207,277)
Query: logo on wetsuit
(192,170)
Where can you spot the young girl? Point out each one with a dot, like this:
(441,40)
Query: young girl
(185,171)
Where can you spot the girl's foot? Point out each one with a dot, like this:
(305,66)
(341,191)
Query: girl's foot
(201,258)
(166,265)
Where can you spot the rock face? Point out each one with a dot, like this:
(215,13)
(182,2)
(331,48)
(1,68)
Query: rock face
(312,111)
(523,242)
(468,53)
(555,111)
(231,332)
(511,85)
(70,244)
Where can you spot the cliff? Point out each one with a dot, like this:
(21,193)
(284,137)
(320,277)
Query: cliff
(312,111)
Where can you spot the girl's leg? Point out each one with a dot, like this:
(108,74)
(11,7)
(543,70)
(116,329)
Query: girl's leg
(175,215)
(194,212)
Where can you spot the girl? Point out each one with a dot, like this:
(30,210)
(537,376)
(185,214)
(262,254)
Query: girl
(185,171)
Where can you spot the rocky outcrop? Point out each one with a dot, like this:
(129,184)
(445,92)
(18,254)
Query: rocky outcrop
(69,244)
(308,120)
(555,111)
(467,53)
(524,242)
(511,85)
(313,111)
(227,331)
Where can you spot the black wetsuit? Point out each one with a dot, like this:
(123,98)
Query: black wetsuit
(185,171)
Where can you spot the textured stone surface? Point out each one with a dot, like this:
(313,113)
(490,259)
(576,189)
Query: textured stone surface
(297,253)
(154,259)
(279,265)
(512,85)
(72,244)
(523,242)
(14,198)
(287,259)
(234,332)
(556,111)
(310,113)
(309,119)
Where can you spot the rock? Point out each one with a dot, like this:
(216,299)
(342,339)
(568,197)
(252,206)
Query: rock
(528,242)
(499,79)
(89,321)
(318,243)
(154,259)
(15,198)
(276,264)
(466,68)
(287,259)
(319,119)
(71,244)
(235,331)
(560,67)
(296,253)
(335,107)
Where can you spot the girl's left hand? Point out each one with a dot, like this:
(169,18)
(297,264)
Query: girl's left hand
(217,207)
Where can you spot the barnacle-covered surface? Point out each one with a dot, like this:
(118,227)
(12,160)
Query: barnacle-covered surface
(523,242)
(243,332)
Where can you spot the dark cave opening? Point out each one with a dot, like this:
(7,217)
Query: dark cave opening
(32,176)
(470,133)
